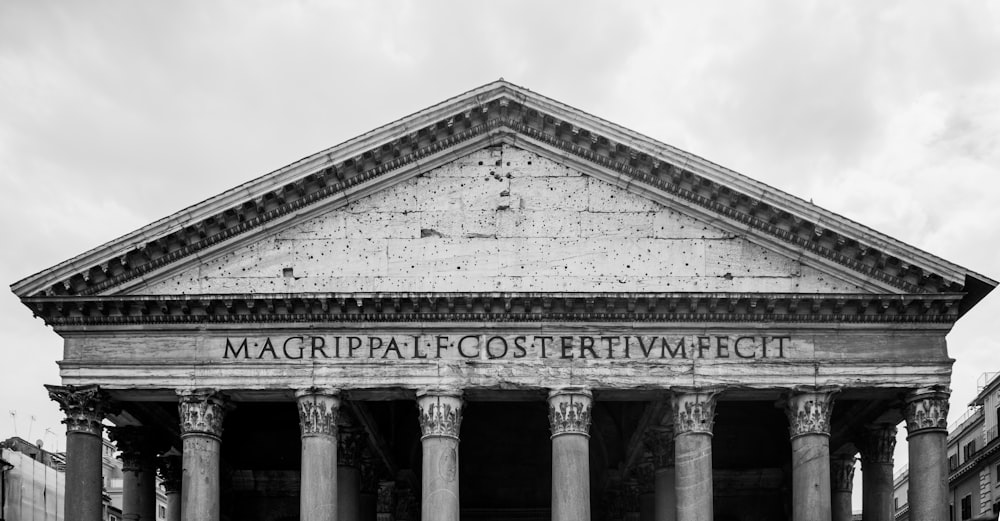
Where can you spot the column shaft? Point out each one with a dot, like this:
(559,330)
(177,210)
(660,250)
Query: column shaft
(809,426)
(927,426)
(841,484)
(84,408)
(318,413)
(138,453)
(440,420)
(348,493)
(665,506)
(201,414)
(694,417)
(170,469)
(877,444)
(569,420)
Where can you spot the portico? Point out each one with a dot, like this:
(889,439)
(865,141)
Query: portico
(502,308)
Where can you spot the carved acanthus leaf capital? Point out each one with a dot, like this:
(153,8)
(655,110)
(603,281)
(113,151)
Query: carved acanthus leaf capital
(350,443)
(319,410)
(202,412)
(927,410)
(85,407)
(877,444)
(386,502)
(809,412)
(440,413)
(694,412)
(842,473)
(138,446)
(659,441)
(170,471)
(569,411)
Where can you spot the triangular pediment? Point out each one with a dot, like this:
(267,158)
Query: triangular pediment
(500,219)
(330,189)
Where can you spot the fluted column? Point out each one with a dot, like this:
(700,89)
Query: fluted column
(440,420)
(694,417)
(569,420)
(170,467)
(201,413)
(877,444)
(841,485)
(809,427)
(318,413)
(926,417)
(351,441)
(659,441)
(138,455)
(84,407)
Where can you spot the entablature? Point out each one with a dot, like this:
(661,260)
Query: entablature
(62,311)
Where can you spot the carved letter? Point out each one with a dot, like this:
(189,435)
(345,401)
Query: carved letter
(236,351)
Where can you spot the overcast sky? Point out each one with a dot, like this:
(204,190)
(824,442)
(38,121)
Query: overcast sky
(116,113)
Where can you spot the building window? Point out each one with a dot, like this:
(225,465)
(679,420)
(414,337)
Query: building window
(895,503)
(953,462)
(967,507)
(969,450)
(161,512)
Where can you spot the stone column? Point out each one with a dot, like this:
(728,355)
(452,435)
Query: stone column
(926,417)
(694,416)
(318,413)
(569,419)
(659,441)
(877,444)
(647,491)
(170,475)
(386,503)
(440,420)
(138,455)
(841,485)
(350,443)
(809,427)
(201,415)
(369,485)
(84,407)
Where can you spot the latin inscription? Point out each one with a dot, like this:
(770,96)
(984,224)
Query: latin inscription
(508,347)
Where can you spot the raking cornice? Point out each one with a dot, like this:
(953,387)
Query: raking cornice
(502,112)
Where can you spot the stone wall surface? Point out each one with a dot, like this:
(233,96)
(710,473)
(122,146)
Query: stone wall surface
(499,219)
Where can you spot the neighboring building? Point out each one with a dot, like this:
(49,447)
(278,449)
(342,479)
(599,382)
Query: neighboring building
(566,296)
(973,459)
(34,483)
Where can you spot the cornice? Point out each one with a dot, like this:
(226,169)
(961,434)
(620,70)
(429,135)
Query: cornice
(497,307)
(477,118)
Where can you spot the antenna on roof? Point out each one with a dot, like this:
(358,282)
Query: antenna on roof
(13,419)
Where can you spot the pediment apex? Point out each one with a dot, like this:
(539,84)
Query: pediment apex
(503,112)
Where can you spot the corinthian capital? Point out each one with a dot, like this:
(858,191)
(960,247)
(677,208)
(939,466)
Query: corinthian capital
(694,412)
(809,412)
(202,412)
(84,406)
(841,473)
(138,446)
(927,410)
(318,411)
(440,413)
(569,411)
(350,442)
(877,443)
(170,470)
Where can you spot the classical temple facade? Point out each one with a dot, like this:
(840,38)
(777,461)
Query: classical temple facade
(504,308)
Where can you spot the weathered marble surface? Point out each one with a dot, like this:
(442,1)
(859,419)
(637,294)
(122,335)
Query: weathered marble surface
(499,219)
